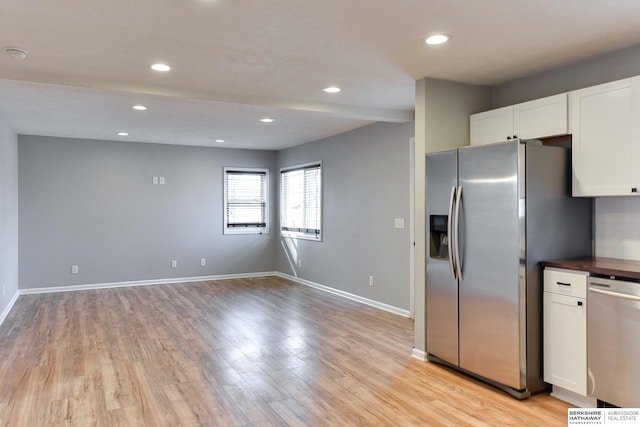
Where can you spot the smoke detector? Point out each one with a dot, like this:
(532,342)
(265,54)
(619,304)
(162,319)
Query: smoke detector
(16,53)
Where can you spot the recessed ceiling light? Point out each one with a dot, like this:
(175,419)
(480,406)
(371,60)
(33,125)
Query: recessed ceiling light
(139,107)
(437,39)
(331,89)
(16,52)
(219,140)
(160,67)
(123,134)
(266,120)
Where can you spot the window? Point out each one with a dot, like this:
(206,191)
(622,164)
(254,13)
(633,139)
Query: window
(300,201)
(245,200)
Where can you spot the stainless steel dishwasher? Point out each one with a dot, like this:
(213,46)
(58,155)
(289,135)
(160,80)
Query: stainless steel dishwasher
(613,341)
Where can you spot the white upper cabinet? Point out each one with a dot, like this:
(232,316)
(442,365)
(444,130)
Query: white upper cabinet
(539,118)
(492,126)
(606,139)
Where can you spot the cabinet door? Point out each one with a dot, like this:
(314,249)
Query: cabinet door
(635,136)
(541,118)
(602,139)
(565,342)
(491,126)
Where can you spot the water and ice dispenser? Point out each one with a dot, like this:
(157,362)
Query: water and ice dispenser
(438,238)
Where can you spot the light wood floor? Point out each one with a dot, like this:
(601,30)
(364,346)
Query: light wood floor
(242,352)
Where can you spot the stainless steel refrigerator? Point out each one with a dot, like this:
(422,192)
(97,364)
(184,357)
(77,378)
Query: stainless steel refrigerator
(493,213)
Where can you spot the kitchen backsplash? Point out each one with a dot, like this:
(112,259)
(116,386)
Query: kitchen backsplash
(617,227)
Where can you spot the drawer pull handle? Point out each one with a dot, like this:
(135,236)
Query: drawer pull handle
(563,284)
(579,303)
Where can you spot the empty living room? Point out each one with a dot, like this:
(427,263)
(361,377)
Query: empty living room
(229,213)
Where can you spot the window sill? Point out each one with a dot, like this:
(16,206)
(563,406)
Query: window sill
(298,236)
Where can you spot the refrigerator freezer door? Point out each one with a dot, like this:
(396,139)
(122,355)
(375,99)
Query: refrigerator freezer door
(441,287)
(490,341)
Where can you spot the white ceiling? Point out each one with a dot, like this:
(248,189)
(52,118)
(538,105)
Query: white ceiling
(236,61)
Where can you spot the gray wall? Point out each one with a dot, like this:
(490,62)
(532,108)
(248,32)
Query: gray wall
(93,204)
(8,215)
(600,69)
(442,122)
(447,107)
(366,185)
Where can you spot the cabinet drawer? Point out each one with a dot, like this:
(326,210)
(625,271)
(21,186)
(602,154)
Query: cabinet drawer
(565,283)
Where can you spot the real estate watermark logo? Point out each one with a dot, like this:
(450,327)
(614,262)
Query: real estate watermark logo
(604,416)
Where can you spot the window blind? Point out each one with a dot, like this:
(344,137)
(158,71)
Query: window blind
(245,199)
(300,197)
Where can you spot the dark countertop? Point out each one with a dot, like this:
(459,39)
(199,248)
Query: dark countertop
(605,266)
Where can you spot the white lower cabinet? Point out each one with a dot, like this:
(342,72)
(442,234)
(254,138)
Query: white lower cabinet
(565,329)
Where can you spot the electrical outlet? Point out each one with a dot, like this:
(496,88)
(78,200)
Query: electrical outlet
(299,263)
(203,262)
(370,280)
(161,180)
(155,180)
(74,269)
(174,263)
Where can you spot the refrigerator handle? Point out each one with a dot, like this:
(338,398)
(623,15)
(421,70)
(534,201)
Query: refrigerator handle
(458,260)
(449,235)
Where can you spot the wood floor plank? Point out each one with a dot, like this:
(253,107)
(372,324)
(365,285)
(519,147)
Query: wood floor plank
(253,405)
(237,352)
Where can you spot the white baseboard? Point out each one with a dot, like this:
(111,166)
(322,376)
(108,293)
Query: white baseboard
(151,282)
(574,398)
(8,308)
(353,297)
(419,354)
